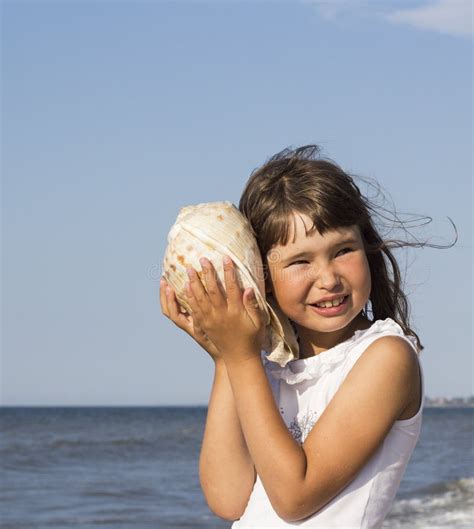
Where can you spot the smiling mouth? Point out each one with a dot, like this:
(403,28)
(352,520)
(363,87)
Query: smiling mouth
(329,304)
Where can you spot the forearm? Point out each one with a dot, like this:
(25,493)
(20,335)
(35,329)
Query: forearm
(226,470)
(279,460)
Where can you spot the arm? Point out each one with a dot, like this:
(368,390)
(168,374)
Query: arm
(226,470)
(300,480)
(227,473)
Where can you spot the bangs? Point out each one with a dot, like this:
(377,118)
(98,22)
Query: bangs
(280,226)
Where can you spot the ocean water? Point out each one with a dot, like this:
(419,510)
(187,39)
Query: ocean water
(128,468)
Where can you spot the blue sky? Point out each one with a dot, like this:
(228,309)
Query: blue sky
(117,114)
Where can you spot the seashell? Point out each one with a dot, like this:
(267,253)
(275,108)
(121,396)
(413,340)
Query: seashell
(213,230)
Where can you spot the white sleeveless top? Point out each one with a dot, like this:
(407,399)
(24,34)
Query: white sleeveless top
(302,390)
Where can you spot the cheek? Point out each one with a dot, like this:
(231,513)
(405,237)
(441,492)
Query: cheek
(357,271)
(295,277)
(362,275)
(286,284)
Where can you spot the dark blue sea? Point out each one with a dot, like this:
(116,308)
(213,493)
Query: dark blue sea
(137,468)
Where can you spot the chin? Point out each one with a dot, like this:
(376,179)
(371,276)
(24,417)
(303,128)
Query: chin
(328,324)
(329,327)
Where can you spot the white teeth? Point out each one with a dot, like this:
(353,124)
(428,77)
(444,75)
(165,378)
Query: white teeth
(327,304)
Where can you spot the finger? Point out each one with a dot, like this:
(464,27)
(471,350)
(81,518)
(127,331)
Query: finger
(253,308)
(163,298)
(192,302)
(214,287)
(233,290)
(199,293)
(174,312)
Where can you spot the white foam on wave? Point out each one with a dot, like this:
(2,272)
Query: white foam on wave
(449,508)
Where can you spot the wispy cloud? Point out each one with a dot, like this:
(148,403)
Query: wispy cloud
(453,17)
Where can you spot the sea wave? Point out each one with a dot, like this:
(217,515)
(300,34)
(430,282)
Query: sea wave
(445,505)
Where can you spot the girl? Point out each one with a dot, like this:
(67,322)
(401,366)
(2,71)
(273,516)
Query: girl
(325,440)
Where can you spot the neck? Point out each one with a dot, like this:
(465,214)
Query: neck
(312,342)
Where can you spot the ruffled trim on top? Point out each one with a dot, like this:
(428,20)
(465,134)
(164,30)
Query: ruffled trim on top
(315,367)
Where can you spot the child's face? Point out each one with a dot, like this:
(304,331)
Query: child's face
(334,265)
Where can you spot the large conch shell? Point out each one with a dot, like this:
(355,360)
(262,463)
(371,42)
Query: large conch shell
(212,230)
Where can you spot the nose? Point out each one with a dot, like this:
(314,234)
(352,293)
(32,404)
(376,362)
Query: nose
(326,278)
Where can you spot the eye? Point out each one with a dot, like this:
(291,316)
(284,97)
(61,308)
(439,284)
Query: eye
(298,262)
(344,251)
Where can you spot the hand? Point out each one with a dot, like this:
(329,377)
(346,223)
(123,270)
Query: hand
(233,320)
(170,308)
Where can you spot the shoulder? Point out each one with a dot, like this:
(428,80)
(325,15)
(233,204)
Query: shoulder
(393,346)
(392,356)
(399,367)
(382,380)
(391,366)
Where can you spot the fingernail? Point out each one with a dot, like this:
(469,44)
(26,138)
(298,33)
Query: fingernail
(190,272)
(204,262)
(227,260)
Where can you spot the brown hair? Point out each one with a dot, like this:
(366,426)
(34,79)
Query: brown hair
(296,180)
